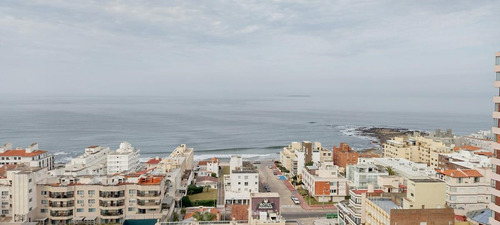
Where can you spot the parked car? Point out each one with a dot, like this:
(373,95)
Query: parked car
(275,172)
(295,200)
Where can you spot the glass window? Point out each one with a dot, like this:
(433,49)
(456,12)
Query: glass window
(43,210)
(44,192)
(79,210)
(497,61)
(498,76)
(91,209)
(131,209)
(91,201)
(45,201)
(79,192)
(91,192)
(131,191)
(80,202)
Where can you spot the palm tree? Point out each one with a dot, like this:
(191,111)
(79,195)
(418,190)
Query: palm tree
(205,216)
(390,170)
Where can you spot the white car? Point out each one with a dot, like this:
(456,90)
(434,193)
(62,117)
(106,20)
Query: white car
(295,200)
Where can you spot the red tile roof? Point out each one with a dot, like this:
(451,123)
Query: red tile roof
(239,212)
(484,153)
(202,163)
(466,147)
(153,161)
(214,160)
(460,173)
(365,191)
(22,153)
(204,210)
(206,178)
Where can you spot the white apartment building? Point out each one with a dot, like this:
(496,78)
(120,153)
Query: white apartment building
(187,153)
(240,183)
(352,211)
(361,175)
(466,190)
(18,193)
(464,159)
(92,162)
(125,158)
(294,156)
(30,156)
(235,162)
(324,182)
(402,167)
(103,199)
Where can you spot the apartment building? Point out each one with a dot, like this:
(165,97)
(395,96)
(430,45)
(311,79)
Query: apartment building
(495,205)
(235,162)
(423,203)
(295,156)
(360,176)
(352,211)
(324,182)
(185,152)
(344,155)
(466,189)
(92,162)
(103,199)
(125,158)
(31,156)
(464,159)
(240,183)
(402,167)
(18,190)
(417,148)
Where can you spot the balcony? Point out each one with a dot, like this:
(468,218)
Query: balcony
(144,194)
(111,194)
(61,215)
(111,204)
(142,203)
(114,214)
(61,195)
(61,204)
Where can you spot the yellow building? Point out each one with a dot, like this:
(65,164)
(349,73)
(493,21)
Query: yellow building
(427,193)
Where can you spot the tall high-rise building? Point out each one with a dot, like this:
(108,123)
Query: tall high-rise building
(495,205)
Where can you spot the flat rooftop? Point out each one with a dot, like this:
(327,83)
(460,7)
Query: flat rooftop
(385,203)
(426,180)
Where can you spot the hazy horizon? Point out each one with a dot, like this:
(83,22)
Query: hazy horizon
(384,55)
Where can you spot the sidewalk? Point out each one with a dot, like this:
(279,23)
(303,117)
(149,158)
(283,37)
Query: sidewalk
(303,203)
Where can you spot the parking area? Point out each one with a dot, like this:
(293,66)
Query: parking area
(275,185)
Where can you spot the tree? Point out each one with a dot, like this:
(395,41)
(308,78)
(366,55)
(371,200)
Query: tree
(214,175)
(390,170)
(186,202)
(175,217)
(204,216)
(310,163)
(183,211)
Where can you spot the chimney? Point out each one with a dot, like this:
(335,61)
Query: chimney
(371,188)
(32,147)
(5,147)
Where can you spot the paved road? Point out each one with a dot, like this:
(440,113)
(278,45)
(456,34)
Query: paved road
(288,209)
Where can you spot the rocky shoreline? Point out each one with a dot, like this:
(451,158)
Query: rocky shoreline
(382,134)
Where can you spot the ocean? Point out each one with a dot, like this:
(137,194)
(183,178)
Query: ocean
(252,126)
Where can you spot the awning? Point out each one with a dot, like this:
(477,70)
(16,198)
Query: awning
(90,218)
(78,218)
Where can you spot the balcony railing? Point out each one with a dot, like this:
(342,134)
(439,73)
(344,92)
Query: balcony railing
(108,213)
(114,204)
(60,205)
(61,214)
(142,194)
(61,195)
(111,194)
(148,203)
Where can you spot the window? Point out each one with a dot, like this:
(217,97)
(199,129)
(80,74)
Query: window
(246,177)
(80,202)
(31,200)
(453,198)
(476,179)
(44,210)
(453,189)
(246,183)
(497,60)
(460,180)
(29,181)
(79,192)
(131,191)
(131,209)
(5,193)
(45,201)
(91,201)
(91,192)
(30,190)
(131,201)
(79,210)
(43,192)
(91,209)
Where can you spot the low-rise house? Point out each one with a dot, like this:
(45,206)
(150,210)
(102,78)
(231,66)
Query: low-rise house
(153,163)
(208,167)
(466,189)
(207,181)
(265,209)
(203,213)
(324,182)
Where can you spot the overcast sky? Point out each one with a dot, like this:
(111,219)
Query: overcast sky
(422,49)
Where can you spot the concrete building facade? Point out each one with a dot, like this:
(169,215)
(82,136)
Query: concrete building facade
(495,204)
(30,156)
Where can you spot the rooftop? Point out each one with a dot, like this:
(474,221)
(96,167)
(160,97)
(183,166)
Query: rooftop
(22,153)
(426,180)
(460,173)
(385,204)
(154,161)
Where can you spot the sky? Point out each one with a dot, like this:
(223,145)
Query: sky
(433,51)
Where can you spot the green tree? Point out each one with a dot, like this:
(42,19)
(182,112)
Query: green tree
(175,217)
(186,202)
(214,175)
(183,211)
(390,170)
(310,163)
(204,216)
